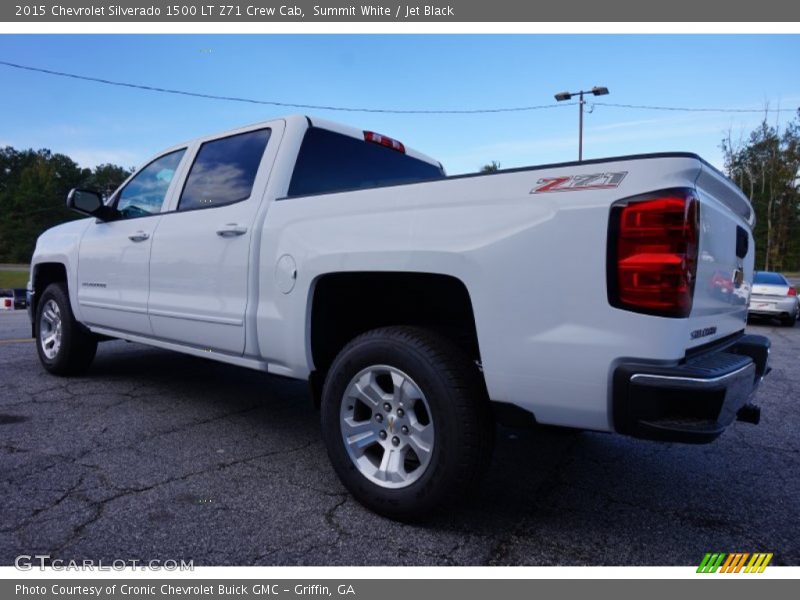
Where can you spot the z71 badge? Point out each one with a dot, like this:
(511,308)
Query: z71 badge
(576,183)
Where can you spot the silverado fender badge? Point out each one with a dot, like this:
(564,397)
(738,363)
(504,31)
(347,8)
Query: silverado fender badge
(576,183)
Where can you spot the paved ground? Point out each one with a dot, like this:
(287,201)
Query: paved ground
(158,455)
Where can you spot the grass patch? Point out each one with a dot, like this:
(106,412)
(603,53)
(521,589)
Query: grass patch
(13,279)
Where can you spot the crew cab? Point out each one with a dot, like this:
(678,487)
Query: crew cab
(607,295)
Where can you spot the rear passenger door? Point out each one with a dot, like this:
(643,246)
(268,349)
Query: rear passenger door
(199,264)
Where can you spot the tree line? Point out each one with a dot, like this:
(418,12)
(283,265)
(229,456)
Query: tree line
(766,166)
(33,191)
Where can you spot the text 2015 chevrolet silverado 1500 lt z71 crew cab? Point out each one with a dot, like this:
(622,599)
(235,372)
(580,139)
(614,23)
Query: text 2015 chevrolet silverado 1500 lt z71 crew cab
(422,308)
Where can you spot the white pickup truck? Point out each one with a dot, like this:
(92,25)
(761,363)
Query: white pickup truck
(608,295)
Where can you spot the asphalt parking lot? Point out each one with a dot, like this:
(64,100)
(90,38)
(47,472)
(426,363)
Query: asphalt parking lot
(155,455)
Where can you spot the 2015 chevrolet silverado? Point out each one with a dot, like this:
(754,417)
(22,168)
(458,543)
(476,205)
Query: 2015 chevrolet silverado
(608,295)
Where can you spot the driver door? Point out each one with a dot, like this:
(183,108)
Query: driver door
(113,260)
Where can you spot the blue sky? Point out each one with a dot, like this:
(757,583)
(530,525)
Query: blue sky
(95,123)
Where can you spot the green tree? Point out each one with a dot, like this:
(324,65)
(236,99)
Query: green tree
(33,189)
(492,167)
(766,166)
(106,178)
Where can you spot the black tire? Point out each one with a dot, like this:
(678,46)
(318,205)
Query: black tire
(789,321)
(453,388)
(77,345)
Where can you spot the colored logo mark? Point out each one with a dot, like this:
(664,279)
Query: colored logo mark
(734,563)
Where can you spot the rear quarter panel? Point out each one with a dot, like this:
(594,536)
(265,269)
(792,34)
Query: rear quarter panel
(534,265)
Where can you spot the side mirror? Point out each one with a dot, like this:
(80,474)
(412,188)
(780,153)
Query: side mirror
(88,202)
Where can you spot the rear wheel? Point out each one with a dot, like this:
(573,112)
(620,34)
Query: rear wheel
(406,421)
(789,320)
(64,346)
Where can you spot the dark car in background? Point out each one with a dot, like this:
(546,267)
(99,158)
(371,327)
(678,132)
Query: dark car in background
(773,296)
(20,298)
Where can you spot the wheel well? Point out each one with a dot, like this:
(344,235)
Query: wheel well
(43,275)
(348,304)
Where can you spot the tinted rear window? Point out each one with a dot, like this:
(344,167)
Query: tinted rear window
(765,277)
(330,162)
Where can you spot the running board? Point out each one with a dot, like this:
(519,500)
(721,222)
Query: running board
(239,361)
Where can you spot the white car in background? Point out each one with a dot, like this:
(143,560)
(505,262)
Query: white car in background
(774,296)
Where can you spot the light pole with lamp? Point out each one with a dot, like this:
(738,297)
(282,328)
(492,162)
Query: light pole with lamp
(596,91)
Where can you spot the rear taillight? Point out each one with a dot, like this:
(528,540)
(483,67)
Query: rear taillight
(792,291)
(377,138)
(652,253)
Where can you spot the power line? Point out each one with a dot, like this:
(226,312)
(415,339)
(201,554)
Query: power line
(272,102)
(689,109)
(380,110)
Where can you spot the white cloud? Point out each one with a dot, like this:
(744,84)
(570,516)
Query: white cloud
(91,157)
(698,132)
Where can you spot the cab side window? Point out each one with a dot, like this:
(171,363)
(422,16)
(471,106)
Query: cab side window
(224,170)
(145,193)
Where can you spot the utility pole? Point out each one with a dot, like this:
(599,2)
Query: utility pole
(596,91)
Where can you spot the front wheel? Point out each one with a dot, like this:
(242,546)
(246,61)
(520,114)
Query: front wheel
(406,421)
(64,346)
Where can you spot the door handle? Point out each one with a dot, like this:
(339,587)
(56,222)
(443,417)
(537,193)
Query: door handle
(231,230)
(139,236)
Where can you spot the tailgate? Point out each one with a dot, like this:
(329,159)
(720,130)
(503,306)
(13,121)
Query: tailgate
(724,262)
